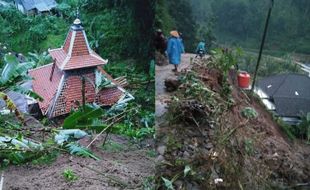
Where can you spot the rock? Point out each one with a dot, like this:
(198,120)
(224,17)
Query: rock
(192,186)
(172,84)
(161,150)
(178,184)
(186,154)
(209,146)
(160,158)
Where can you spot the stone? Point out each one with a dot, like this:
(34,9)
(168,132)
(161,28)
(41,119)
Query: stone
(161,150)
(186,154)
(160,158)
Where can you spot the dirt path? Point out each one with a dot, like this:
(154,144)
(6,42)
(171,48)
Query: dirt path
(162,73)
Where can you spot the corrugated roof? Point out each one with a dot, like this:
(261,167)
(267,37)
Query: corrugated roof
(41,5)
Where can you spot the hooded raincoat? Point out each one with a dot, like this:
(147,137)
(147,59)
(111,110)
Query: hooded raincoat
(175,49)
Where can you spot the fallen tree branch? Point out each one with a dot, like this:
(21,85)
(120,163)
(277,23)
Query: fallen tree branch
(110,125)
(112,178)
(299,185)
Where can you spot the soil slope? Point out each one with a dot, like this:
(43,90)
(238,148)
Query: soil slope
(205,136)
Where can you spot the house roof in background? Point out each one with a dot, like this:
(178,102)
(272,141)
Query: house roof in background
(290,93)
(41,5)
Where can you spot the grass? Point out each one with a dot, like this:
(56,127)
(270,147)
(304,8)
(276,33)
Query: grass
(52,41)
(112,146)
(69,175)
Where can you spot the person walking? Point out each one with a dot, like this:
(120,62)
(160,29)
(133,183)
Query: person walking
(160,41)
(201,49)
(175,49)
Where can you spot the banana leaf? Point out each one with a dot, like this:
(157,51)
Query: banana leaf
(28,92)
(83,118)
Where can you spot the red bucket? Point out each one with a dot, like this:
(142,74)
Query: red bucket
(244,79)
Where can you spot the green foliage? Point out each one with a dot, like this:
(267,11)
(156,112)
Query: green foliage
(269,65)
(148,183)
(303,129)
(249,147)
(168,183)
(177,14)
(225,59)
(151,153)
(69,175)
(249,113)
(85,117)
(13,71)
(40,59)
(46,158)
(29,31)
(17,149)
(241,22)
(76,149)
(111,146)
(287,129)
(136,133)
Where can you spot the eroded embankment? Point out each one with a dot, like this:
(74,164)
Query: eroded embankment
(208,143)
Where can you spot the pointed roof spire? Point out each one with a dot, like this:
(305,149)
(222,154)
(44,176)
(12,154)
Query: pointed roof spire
(77,24)
(76,53)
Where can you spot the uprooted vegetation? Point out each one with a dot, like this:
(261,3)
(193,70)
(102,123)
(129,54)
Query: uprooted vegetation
(48,145)
(218,137)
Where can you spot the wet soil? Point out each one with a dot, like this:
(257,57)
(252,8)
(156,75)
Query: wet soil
(125,167)
(241,153)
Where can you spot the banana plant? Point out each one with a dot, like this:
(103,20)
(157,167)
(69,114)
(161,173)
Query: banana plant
(40,59)
(12,75)
(304,126)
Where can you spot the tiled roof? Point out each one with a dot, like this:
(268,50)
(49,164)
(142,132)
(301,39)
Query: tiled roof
(76,53)
(80,46)
(288,107)
(290,93)
(42,84)
(71,95)
(67,42)
(109,96)
(75,62)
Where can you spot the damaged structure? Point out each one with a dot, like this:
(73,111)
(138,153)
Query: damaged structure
(76,75)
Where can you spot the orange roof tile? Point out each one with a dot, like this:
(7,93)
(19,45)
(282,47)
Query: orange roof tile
(67,42)
(75,62)
(109,96)
(42,84)
(61,95)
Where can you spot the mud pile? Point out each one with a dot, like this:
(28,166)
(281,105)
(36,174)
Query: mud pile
(207,143)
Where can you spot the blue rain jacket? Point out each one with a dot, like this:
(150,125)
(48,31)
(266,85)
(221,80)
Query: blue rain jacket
(201,46)
(175,49)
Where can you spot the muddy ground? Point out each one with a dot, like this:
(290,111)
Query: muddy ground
(227,151)
(123,164)
(164,72)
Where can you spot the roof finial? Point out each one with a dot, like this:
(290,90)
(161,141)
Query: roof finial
(77,13)
(77,21)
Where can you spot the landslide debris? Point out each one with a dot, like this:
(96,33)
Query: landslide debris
(208,143)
